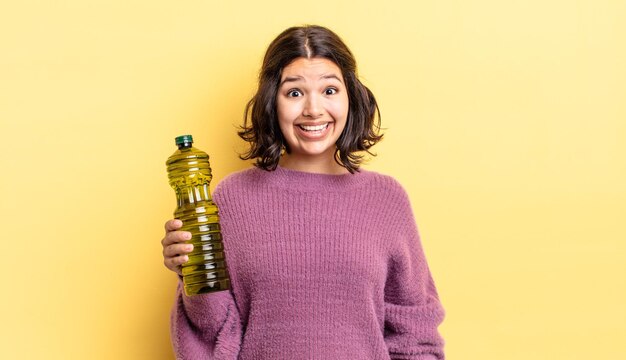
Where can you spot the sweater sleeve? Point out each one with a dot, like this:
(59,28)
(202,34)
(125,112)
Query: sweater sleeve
(205,326)
(412,307)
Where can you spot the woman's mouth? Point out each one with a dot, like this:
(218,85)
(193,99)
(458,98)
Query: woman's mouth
(313,132)
(313,128)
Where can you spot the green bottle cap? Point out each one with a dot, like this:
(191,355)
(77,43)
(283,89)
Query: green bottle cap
(184,139)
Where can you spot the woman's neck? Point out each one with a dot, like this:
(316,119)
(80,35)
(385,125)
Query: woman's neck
(319,165)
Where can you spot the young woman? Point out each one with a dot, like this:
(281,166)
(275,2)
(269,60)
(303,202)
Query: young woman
(325,258)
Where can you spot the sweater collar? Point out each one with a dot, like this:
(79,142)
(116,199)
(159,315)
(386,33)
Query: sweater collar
(302,181)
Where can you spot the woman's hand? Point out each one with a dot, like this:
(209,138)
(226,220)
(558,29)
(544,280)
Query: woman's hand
(175,249)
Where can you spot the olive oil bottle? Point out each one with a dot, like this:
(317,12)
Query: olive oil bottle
(189,175)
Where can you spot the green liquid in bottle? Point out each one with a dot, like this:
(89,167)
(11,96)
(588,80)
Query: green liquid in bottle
(189,175)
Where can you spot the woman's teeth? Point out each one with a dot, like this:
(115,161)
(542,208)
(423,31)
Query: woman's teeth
(313,128)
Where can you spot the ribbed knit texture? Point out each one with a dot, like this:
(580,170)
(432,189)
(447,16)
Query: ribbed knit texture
(322,267)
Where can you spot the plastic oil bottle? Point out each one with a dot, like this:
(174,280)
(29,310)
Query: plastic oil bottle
(189,175)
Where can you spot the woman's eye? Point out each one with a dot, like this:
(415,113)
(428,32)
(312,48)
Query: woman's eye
(294,93)
(330,91)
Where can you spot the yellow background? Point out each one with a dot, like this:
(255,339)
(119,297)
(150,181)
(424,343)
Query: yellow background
(506,123)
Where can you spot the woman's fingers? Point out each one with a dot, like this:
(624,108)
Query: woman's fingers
(177,249)
(174,237)
(173,224)
(174,263)
(174,246)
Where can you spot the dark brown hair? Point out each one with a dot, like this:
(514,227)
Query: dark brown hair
(261,128)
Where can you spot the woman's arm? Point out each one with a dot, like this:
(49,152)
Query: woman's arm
(412,307)
(205,326)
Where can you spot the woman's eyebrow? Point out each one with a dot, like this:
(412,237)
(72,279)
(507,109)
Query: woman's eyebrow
(331,76)
(298,78)
(291,79)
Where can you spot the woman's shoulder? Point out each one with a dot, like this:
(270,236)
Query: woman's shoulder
(238,179)
(385,182)
(388,192)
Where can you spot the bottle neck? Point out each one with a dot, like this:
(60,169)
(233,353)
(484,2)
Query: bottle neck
(185,145)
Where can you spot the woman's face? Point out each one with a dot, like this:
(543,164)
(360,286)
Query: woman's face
(312,106)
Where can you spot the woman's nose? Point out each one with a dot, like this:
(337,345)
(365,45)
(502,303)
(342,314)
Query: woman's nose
(312,107)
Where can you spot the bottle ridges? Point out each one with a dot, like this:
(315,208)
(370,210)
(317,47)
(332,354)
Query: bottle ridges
(189,174)
(203,224)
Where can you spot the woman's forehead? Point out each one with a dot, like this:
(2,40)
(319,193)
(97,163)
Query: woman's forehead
(313,68)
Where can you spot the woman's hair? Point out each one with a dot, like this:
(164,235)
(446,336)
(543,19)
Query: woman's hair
(261,128)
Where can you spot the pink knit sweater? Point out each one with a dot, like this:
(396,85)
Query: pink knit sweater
(322,267)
